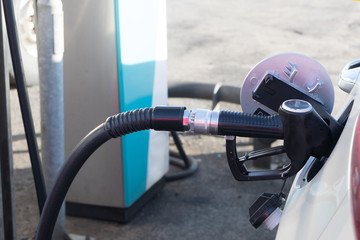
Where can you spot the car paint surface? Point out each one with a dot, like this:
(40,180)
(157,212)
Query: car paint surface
(322,208)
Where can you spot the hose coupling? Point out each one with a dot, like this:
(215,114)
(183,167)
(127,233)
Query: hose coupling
(201,121)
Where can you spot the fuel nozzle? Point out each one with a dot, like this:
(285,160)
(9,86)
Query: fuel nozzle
(305,133)
(266,209)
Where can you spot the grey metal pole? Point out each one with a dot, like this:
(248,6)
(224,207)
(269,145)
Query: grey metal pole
(50,43)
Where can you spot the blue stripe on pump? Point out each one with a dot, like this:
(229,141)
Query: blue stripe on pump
(135,90)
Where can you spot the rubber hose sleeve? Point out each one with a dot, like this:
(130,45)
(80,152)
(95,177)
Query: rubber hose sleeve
(161,118)
(248,125)
(129,122)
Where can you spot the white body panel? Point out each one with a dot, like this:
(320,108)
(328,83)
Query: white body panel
(322,208)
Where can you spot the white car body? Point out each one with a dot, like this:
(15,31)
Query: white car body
(24,13)
(323,207)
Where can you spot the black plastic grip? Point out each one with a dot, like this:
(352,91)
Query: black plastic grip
(248,125)
(168,118)
(161,118)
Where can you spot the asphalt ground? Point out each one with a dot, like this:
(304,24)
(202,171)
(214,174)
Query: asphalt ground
(210,42)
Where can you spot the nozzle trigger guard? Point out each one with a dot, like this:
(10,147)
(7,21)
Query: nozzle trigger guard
(239,169)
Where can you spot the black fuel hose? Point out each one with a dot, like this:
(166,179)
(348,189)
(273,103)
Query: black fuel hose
(215,92)
(158,118)
(24,103)
(66,176)
(182,160)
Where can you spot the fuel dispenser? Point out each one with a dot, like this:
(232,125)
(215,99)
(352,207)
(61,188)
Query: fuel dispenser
(115,61)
